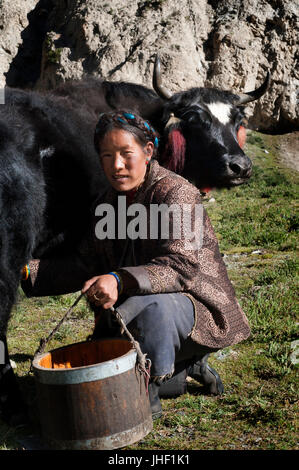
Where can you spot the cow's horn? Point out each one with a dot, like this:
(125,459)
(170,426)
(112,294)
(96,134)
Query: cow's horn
(172,120)
(245,98)
(157,81)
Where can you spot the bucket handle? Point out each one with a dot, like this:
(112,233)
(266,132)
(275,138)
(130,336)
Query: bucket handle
(144,363)
(44,341)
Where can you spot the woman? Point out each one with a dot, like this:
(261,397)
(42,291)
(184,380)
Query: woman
(172,291)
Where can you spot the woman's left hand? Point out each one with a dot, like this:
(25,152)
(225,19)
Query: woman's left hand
(101,290)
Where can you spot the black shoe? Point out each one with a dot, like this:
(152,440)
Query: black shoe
(153,391)
(175,386)
(207,376)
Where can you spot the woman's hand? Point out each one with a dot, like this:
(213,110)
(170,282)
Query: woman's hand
(101,290)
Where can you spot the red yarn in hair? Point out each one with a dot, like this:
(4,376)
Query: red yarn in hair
(241,136)
(174,154)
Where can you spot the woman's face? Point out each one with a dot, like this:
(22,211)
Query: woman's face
(124,159)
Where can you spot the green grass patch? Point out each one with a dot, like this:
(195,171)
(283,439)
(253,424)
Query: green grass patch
(257,227)
(263,212)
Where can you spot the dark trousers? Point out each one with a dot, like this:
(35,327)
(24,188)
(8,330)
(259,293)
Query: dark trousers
(161,323)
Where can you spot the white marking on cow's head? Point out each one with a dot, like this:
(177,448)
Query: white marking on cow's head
(221,111)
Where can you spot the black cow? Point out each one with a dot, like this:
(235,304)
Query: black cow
(50,172)
(201,128)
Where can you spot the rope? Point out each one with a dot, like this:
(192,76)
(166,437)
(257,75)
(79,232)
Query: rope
(44,341)
(144,363)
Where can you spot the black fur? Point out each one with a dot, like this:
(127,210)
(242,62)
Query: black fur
(49,175)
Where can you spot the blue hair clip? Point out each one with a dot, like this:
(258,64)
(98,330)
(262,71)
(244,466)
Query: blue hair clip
(147,126)
(129,115)
(156,142)
(121,120)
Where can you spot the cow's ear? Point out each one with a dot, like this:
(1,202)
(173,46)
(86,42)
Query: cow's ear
(241,136)
(173,156)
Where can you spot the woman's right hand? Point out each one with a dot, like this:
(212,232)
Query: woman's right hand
(101,290)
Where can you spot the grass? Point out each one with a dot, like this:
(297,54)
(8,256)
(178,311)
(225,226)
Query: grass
(257,227)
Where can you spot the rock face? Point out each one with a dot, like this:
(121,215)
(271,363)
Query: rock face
(13,20)
(21,24)
(228,44)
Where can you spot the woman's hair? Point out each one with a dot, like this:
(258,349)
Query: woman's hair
(129,122)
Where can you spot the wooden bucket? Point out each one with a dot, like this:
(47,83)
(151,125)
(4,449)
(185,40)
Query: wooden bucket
(91,396)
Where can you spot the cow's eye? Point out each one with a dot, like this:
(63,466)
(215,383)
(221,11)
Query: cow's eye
(205,118)
(239,121)
(197,117)
(190,116)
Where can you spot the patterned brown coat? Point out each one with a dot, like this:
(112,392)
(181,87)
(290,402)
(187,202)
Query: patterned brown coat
(158,265)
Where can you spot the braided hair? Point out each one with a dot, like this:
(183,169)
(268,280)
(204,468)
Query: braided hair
(127,121)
